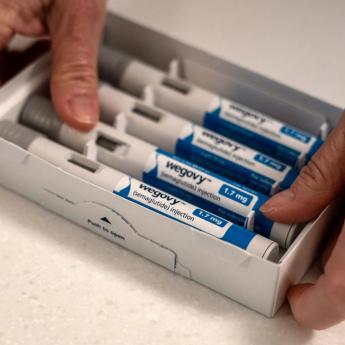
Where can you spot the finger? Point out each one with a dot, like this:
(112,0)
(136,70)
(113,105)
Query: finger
(320,182)
(322,305)
(33,28)
(22,18)
(75,28)
(8,17)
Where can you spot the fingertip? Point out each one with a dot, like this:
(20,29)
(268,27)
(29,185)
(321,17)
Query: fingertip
(83,112)
(277,205)
(289,207)
(78,111)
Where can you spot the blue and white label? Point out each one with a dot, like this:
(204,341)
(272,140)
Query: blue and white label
(259,131)
(202,188)
(231,159)
(209,217)
(272,163)
(296,134)
(177,209)
(239,196)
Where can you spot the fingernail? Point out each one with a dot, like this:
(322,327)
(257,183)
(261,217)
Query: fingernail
(266,209)
(84,110)
(277,201)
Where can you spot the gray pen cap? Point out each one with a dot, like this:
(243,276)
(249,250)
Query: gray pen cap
(18,134)
(111,64)
(39,114)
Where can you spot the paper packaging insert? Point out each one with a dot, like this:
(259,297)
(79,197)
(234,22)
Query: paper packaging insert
(256,283)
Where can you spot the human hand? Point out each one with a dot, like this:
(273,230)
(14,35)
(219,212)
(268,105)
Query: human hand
(320,305)
(75,28)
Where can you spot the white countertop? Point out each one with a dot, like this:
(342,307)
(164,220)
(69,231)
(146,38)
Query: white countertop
(60,284)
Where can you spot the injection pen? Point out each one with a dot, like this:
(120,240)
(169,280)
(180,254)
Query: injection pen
(137,192)
(231,119)
(161,169)
(196,144)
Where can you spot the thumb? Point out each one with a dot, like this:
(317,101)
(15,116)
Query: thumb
(75,27)
(320,182)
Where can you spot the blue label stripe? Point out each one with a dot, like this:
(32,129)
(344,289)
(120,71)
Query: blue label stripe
(152,179)
(262,225)
(123,195)
(235,235)
(239,237)
(209,217)
(247,137)
(296,134)
(125,191)
(268,161)
(209,172)
(316,146)
(240,187)
(219,165)
(236,195)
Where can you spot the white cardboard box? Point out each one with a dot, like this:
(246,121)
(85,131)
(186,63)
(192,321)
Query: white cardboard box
(252,281)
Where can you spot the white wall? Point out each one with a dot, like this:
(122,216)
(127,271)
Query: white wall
(298,42)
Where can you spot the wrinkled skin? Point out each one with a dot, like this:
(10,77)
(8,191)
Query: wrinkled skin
(322,304)
(74,27)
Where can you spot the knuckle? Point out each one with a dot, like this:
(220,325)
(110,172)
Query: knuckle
(9,12)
